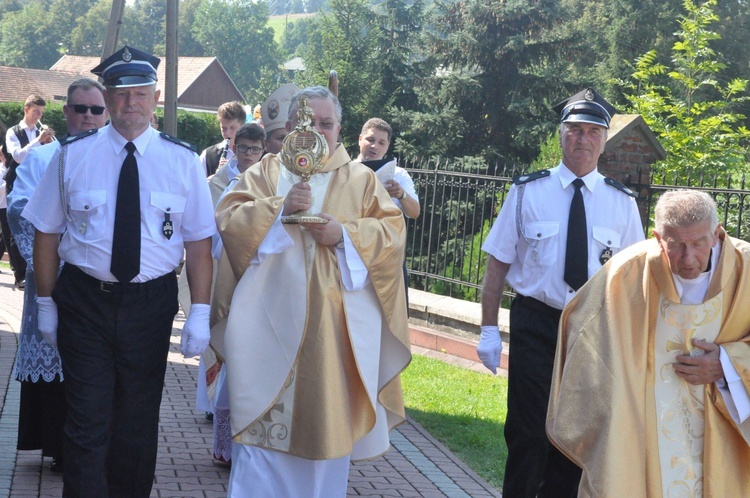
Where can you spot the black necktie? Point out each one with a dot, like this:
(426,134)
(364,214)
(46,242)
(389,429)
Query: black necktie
(577,248)
(126,242)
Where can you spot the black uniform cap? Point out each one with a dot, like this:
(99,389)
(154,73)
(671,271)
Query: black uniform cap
(128,67)
(586,106)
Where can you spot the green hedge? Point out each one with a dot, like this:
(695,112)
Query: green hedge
(198,128)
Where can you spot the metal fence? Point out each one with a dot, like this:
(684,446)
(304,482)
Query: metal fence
(461,198)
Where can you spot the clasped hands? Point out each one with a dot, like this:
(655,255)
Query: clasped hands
(701,369)
(298,199)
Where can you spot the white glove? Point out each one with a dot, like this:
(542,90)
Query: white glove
(490,346)
(47,319)
(196,333)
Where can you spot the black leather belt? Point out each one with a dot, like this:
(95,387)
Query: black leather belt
(117,287)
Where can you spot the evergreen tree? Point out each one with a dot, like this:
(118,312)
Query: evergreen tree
(497,67)
(237,33)
(342,38)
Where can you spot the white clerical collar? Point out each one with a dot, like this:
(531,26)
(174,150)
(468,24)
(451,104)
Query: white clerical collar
(693,290)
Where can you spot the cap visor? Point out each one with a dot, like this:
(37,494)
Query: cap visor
(129,81)
(585,118)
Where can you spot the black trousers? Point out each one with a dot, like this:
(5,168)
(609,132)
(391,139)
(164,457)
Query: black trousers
(113,342)
(17,263)
(534,466)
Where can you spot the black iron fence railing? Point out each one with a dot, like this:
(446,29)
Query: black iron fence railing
(461,198)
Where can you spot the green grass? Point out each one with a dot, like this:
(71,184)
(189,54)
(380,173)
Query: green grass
(462,409)
(278,23)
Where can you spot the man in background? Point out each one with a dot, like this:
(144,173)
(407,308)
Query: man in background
(556,228)
(37,366)
(374,141)
(19,140)
(274,116)
(231,116)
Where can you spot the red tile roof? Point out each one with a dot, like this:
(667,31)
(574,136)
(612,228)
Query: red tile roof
(18,83)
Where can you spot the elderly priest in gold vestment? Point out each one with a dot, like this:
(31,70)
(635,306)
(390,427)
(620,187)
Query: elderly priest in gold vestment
(310,318)
(650,388)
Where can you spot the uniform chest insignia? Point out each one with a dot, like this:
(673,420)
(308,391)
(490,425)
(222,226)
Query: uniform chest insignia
(166,227)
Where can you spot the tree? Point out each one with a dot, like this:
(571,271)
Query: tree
(237,33)
(690,106)
(314,5)
(147,26)
(25,41)
(399,49)
(611,34)
(295,38)
(496,66)
(87,38)
(187,44)
(342,38)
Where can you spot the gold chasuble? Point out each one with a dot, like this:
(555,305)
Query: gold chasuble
(313,368)
(616,407)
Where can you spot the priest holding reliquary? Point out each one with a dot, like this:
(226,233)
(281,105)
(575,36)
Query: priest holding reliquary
(309,312)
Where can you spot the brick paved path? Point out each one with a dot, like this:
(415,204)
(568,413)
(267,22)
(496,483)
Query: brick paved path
(416,465)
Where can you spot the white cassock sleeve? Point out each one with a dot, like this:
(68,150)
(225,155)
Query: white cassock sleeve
(733,391)
(354,273)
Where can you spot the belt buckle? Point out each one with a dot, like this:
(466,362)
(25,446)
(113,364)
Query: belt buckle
(106,286)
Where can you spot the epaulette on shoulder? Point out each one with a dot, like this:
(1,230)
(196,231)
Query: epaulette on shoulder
(177,141)
(74,138)
(619,186)
(523,179)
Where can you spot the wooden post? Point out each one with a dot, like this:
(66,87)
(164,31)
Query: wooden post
(170,70)
(113,28)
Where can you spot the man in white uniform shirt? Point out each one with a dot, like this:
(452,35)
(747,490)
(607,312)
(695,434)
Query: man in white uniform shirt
(132,201)
(38,366)
(528,247)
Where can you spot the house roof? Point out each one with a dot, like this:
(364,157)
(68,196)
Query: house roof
(189,71)
(17,83)
(294,64)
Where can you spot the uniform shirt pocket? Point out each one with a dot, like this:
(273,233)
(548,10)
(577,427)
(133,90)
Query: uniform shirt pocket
(605,239)
(542,238)
(165,207)
(88,212)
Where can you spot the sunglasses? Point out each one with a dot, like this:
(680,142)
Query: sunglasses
(252,149)
(96,110)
